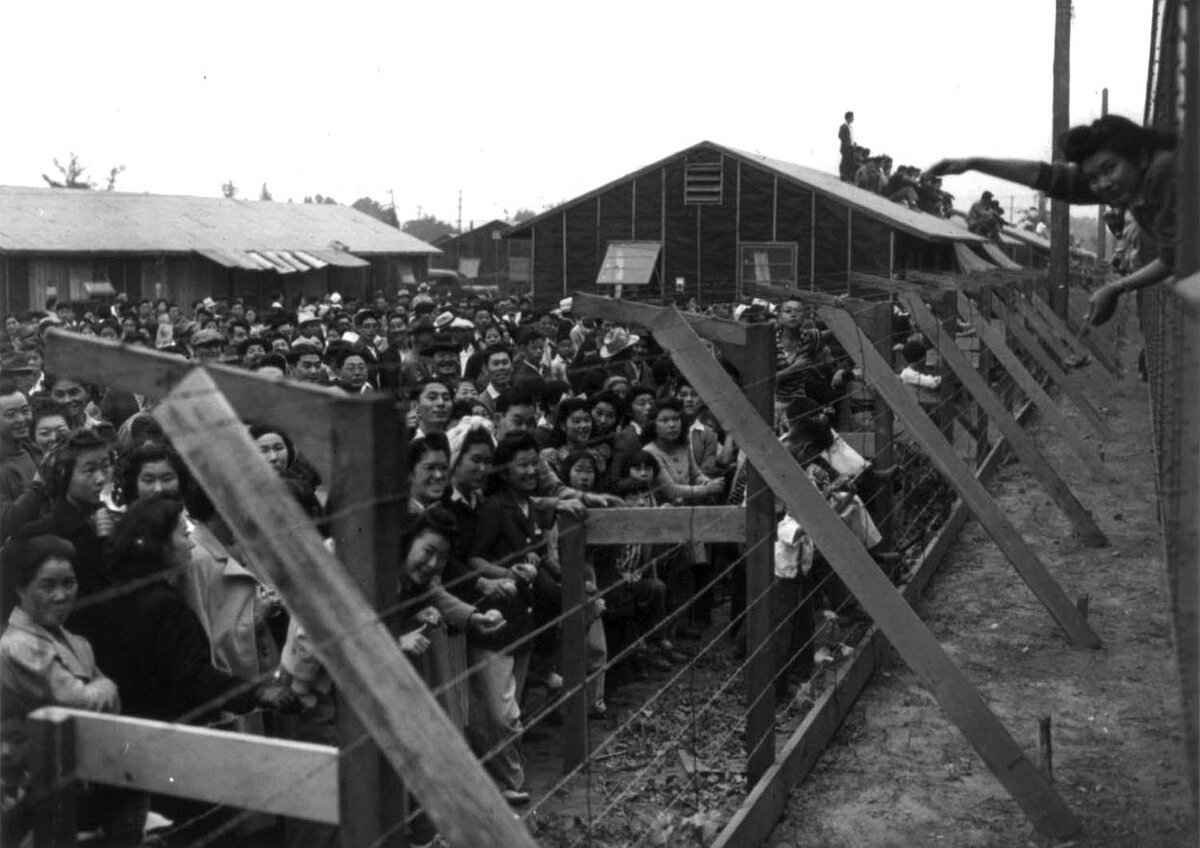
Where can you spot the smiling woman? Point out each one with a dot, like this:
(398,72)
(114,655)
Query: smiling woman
(1111,160)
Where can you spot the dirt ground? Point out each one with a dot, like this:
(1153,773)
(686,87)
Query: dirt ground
(900,774)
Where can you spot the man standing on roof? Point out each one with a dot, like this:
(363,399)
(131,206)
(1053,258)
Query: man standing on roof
(846,137)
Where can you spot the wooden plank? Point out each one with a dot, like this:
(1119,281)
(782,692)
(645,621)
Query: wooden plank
(943,456)
(903,628)
(1068,385)
(758,815)
(53,789)
(654,526)
(1069,329)
(1055,323)
(758,383)
(302,410)
(356,649)
(1022,443)
(1096,339)
(1041,330)
(885,432)
(274,776)
(367,500)
(730,335)
(573,540)
(898,286)
(994,340)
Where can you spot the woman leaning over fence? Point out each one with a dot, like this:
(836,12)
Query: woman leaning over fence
(1112,161)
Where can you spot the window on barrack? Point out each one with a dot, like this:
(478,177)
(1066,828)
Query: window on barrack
(772,263)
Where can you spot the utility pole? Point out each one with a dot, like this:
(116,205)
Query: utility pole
(460,210)
(1060,216)
(1101,230)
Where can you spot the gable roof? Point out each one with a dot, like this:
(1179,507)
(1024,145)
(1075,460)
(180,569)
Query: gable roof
(917,223)
(53,220)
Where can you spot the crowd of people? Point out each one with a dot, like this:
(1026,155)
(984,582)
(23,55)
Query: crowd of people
(126,591)
(907,185)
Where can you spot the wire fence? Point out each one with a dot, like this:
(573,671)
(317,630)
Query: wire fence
(672,703)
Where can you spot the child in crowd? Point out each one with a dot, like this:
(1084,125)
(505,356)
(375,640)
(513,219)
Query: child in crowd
(683,482)
(580,472)
(925,386)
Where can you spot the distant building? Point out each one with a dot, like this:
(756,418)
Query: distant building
(485,258)
(714,223)
(75,245)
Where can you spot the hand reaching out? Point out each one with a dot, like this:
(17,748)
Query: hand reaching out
(947,168)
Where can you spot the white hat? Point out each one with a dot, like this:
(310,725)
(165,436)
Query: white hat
(461,324)
(565,304)
(616,340)
(335,298)
(443,320)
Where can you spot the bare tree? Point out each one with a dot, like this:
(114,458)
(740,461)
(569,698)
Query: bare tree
(72,175)
(229,190)
(112,177)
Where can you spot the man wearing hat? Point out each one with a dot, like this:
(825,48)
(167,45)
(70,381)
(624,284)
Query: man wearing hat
(208,344)
(463,332)
(441,358)
(22,367)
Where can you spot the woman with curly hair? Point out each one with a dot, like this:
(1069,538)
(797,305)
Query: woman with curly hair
(1113,161)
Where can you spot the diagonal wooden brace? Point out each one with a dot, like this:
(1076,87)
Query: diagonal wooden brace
(961,702)
(1021,442)
(365,661)
(942,454)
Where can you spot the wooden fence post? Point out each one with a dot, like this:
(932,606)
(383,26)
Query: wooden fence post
(572,550)
(54,789)
(368,500)
(1066,383)
(758,378)
(956,473)
(985,362)
(946,309)
(1021,443)
(884,456)
(1020,376)
(911,638)
(359,653)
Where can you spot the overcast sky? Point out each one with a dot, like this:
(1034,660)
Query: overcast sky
(523,104)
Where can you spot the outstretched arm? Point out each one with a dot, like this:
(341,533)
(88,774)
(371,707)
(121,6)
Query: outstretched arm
(1022,171)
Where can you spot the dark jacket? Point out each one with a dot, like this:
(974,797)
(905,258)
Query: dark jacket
(161,659)
(502,534)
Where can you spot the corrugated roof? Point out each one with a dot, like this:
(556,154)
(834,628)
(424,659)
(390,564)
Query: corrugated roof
(1032,239)
(921,224)
(877,206)
(48,220)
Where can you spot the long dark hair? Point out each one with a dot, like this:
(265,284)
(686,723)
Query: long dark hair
(142,541)
(130,466)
